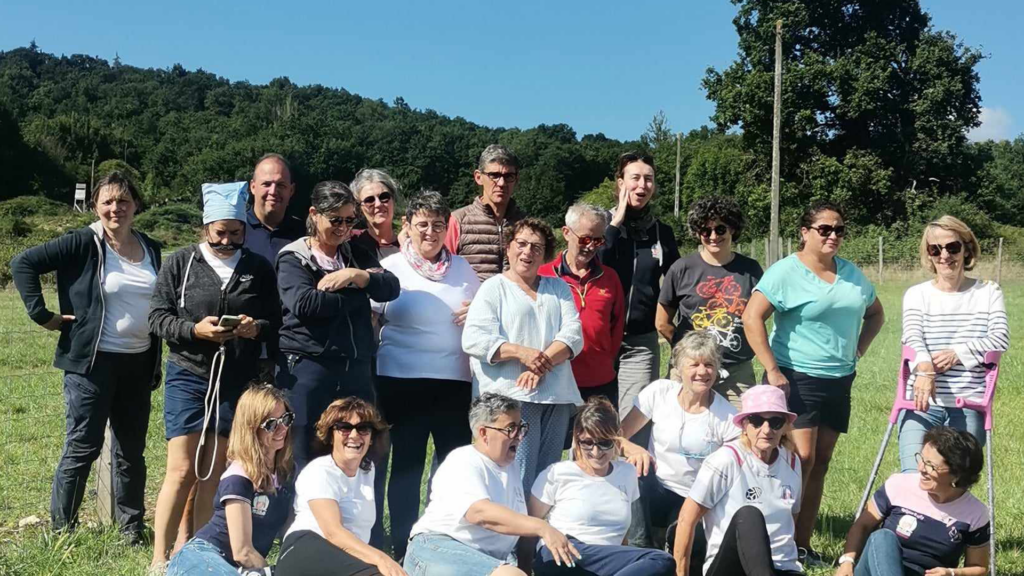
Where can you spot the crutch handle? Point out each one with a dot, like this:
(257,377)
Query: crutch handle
(991,366)
(901,403)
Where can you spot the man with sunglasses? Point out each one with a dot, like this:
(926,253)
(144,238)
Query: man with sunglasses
(475,231)
(599,299)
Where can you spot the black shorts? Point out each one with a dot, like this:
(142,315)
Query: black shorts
(306,553)
(820,401)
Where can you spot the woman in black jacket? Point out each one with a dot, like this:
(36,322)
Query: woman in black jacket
(326,284)
(214,305)
(105,277)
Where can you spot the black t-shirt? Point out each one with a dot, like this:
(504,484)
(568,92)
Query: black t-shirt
(712,298)
(269,513)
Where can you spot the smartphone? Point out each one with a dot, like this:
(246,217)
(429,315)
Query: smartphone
(229,321)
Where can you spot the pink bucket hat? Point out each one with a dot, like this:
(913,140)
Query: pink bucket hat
(760,399)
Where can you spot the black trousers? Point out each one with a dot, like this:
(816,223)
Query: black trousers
(117,388)
(416,409)
(746,549)
(306,553)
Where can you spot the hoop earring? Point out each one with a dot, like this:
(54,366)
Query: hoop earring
(953,483)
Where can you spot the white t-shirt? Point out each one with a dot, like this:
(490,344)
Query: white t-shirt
(224,268)
(680,441)
(733,477)
(322,479)
(127,289)
(419,339)
(592,509)
(465,477)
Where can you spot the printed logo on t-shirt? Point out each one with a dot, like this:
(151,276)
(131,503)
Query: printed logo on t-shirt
(754,494)
(519,494)
(656,252)
(954,535)
(724,306)
(245,277)
(260,504)
(906,526)
(787,494)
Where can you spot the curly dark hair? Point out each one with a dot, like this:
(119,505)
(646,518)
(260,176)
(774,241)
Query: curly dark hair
(961,451)
(725,210)
(337,412)
(537,226)
(811,214)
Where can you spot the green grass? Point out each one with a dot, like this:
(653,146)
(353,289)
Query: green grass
(31,428)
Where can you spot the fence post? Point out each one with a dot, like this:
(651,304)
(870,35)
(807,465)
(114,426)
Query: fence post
(789,246)
(105,480)
(880,260)
(767,256)
(999,261)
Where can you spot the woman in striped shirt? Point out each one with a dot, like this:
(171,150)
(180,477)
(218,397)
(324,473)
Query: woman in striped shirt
(951,321)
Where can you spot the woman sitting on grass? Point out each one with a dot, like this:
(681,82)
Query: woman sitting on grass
(250,508)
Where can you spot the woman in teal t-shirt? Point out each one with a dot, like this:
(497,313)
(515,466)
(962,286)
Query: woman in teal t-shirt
(826,315)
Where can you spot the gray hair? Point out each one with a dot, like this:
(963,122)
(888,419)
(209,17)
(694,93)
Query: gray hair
(496,153)
(698,345)
(368,176)
(580,210)
(430,202)
(488,408)
(328,196)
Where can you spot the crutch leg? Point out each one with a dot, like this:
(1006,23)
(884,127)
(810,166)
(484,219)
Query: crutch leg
(874,470)
(991,505)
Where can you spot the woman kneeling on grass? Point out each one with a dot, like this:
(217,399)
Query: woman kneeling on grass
(251,507)
(928,518)
(589,499)
(334,500)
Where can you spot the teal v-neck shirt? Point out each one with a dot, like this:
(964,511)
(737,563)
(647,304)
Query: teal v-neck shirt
(817,324)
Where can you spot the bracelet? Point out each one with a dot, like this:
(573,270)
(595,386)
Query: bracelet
(846,560)
(917,373)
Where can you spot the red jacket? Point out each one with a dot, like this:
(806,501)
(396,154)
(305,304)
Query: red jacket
(602,308)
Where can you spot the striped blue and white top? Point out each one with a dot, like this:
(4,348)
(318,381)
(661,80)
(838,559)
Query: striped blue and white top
(501,312)
(970,322)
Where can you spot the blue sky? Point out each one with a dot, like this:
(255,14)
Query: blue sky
(597,65)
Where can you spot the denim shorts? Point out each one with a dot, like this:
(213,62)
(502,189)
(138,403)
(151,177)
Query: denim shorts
(200,557)
(441,555)
(184,394)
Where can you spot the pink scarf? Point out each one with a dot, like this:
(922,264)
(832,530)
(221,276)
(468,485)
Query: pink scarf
(424,267)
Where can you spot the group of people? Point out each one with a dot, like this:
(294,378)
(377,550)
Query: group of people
(304,357)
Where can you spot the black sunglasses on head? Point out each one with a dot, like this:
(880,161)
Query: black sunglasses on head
(271,424)
(953,248)
(775,422)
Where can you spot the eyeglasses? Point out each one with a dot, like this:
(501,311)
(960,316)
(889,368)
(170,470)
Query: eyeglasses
(271,424)
(384,198)
(719,230)
(338,221)
(826,230)
(775,422)
(953,248)
(532,247)
(513,430)
(363,428)
(585,241)
(587,444)
(931,468)
(510,177)
(435,226)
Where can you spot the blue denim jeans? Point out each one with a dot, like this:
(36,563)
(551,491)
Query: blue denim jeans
(913,426)
(200,557)
(882,556)
(607,561)
(441,555)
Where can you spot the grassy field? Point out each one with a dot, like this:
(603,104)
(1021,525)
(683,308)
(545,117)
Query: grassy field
(31,427)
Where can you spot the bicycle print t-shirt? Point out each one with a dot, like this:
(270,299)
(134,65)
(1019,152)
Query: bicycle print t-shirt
(713,298)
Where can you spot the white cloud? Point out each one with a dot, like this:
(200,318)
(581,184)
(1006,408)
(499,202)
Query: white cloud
(996,124)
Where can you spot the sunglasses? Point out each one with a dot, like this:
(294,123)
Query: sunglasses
(825,230)
(775,422)
(271,425)
(384,198)
(510,177)
(719,230)
(513,430)
(363,428)
(585,241)
(338,221)
(953,248)
(604,445)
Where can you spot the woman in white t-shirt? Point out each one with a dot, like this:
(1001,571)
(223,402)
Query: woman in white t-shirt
(477,512)
(691,421)
(748,493)
(424,385)
(589,499)
(334,500)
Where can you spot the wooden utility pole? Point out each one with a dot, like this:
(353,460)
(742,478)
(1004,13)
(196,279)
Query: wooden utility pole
(678,138)
(999,262)
(776,147)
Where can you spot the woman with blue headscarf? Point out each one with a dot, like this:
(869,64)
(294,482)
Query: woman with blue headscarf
(215,303)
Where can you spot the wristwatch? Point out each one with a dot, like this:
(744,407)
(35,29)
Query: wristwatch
(846,560)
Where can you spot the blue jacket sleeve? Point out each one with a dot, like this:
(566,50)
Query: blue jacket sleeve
(27,267)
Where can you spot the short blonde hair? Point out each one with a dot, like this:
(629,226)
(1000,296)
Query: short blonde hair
(963,231)
(697,344)
(244,447)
